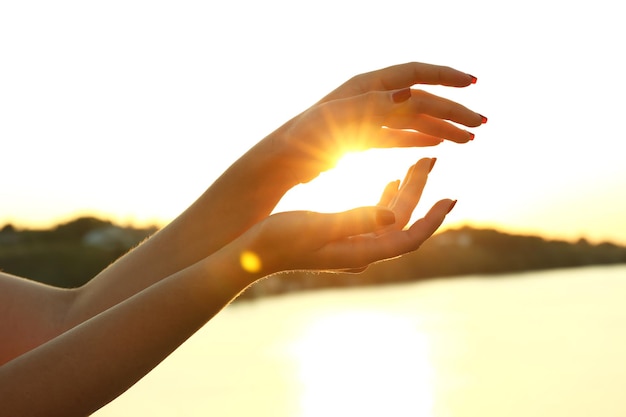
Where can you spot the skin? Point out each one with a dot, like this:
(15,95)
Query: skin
(71,351)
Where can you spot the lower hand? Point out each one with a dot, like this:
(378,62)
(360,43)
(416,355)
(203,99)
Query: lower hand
(351,240)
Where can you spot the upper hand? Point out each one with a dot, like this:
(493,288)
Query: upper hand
(377,110)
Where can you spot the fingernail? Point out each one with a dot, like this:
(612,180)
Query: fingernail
(483,119)
(474,79)
(385,217)
(401,96)
(472,136)
(432,164)
(451,206)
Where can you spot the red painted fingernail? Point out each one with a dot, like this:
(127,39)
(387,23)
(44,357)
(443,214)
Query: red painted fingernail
(483,119)
(432,164)
(472,136)
(385,217)
(401,96)
(474,79)
(451,206)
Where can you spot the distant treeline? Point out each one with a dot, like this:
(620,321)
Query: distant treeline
(69,254)
(74,252)
(463,251)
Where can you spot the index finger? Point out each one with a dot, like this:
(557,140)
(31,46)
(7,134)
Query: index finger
(402,76)
(411,73)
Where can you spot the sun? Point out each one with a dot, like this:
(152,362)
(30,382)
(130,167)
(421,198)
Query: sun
(357,180)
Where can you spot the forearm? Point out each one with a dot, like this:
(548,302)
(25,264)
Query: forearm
(247,192)
(88,366)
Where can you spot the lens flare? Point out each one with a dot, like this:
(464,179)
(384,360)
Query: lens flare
(250,262)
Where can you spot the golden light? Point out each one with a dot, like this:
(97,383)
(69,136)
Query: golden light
(358,179)
(364,363)
(250,262)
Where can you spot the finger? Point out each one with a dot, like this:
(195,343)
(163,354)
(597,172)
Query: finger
(397,243)
(356,118)
(422,102)
(367,249)
(395,138)
(427,225)
(411,73)
(389,193)
(401,76)
(411,191)
(407,178)
(432,127)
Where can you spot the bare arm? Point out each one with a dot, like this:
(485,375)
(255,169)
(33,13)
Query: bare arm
(33,313)
(247,192)
(30,314)
(86,367)
(378,106)
(351,117)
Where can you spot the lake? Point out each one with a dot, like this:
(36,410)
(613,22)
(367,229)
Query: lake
(549,343)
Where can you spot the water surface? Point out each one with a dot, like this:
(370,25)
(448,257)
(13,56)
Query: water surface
(547,343)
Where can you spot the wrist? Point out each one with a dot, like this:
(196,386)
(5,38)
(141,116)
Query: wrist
(280,159)
(271,163)
(296,156)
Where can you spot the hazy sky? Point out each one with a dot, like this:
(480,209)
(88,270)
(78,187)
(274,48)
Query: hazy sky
(130,109)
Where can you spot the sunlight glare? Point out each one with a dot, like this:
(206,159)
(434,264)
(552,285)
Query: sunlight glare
(364,363)
(357,180)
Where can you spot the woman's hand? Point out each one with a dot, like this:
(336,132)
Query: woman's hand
(377,110)
(351,240)
(402,198)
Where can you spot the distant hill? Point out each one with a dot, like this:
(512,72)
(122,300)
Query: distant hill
(462,251)
(74,252)
(69,254)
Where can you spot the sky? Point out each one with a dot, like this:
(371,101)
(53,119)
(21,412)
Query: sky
(129,110)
